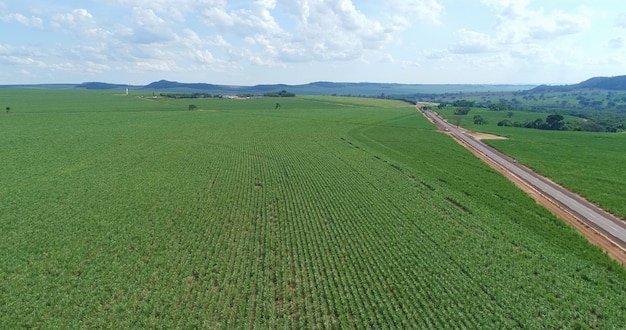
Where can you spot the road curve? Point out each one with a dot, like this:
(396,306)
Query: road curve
(605,223)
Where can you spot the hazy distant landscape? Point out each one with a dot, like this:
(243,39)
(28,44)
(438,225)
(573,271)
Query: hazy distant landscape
(314,88)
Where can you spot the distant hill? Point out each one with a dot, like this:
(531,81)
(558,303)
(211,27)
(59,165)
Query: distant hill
(314,88)
(609,83)
(164,84)
(334,88)
(100,85)
(617,83)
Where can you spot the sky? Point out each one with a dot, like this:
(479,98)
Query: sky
(239,42)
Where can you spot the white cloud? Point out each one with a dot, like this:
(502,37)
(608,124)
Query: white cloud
(92,67)
(336,30)
(63,67)
(325,30)
(218,16)
(472,42)
(205,56)
(557,24)
(421,10)
(153,65)
(5,49)
(20,60)
(82,23)
(523,34)
(534,53)
(437,54)
(27,53)
(519,23)
(164,35)
(259,19)
(148,28)
(189,39)
(175,9)
(32,21)
(146,17)
(75,18)
(508,9)
(241,38)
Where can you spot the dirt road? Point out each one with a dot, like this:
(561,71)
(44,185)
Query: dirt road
(599,227)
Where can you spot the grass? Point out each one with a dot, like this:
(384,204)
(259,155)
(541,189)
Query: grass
(493,117)
(126,212)
(588,163)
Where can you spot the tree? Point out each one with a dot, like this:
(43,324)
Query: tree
(192,107)
(554,122)
(537,123)
(503,105)
(509,114)
(478,120)
(282,93)
(8,109)
(462,111)
(505,122)
(463,103)
(277,106)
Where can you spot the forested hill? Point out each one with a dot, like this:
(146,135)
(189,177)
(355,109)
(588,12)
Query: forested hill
(617,83)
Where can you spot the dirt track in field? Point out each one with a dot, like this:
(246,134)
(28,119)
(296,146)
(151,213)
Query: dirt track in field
(592,235)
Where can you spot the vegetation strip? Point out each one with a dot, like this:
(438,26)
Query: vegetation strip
(593,233)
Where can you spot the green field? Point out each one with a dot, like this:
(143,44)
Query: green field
(493,117)
(129,212)
(589,163)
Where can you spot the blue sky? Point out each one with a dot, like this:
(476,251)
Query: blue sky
(299,41)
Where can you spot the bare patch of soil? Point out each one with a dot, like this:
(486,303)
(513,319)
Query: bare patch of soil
(485,136)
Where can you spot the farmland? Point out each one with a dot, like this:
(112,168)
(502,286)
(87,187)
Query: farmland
(132,212)
(589,163)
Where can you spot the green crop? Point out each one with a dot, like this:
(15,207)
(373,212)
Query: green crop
(588,163)
(133,212)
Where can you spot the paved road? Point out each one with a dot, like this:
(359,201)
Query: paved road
(595,217)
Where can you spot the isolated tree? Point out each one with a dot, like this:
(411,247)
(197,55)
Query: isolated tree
(8,109)
(192,107)
(554,122)
(462,111)
(277,106)
(478,120)
(505,122)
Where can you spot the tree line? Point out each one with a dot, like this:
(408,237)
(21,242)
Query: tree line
(593,121)
(282,93)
